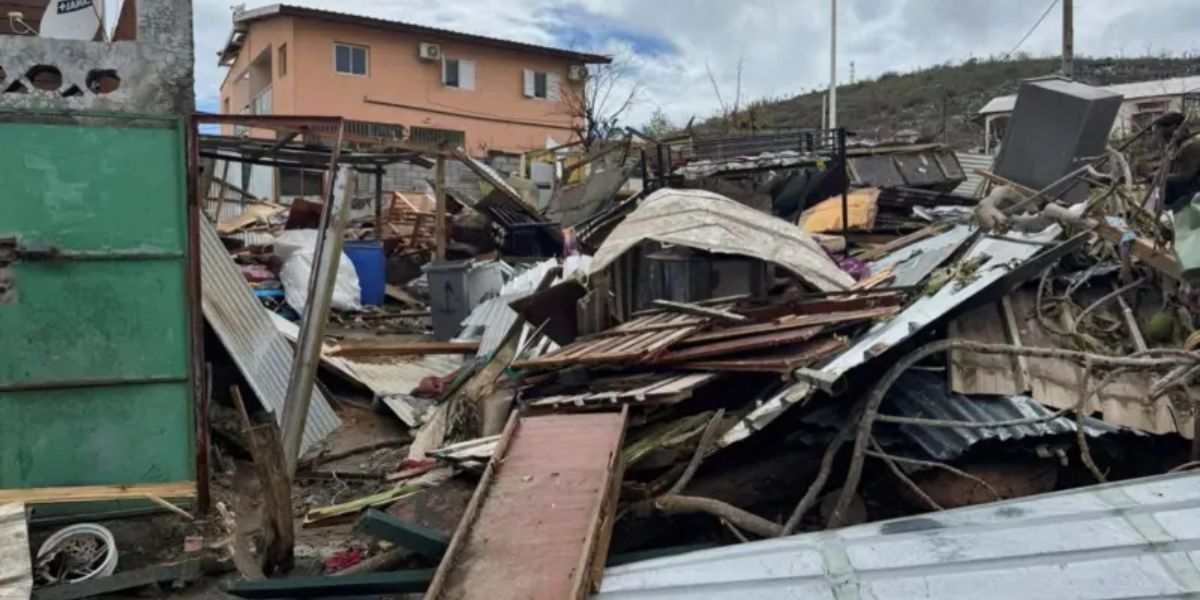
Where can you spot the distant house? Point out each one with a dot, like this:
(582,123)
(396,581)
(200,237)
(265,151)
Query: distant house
(480,93)
(1144,102)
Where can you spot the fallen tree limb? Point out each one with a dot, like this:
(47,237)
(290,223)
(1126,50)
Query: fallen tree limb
(809,499)
(937,465)
(899,474)
(739,518)
(706,441)
(1144,360)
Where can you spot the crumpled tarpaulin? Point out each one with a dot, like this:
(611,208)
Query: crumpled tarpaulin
(712,222)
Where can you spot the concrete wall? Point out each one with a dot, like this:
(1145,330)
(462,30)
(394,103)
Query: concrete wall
(402,89)
(236,90)
(156,71)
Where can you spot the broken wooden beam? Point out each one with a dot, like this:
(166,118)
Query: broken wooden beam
(381,525)
(386,348)
(99,493)
(701,311)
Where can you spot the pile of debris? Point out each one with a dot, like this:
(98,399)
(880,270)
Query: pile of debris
(714,342)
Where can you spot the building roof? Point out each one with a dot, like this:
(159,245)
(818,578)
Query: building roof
(1134,539)
(1131,91)
(243,18)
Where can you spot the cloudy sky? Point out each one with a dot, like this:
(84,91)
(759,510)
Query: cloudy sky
(783,44)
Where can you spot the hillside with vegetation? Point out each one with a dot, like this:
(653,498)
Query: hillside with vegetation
(879,108)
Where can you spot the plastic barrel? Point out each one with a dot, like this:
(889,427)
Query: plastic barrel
(368,259)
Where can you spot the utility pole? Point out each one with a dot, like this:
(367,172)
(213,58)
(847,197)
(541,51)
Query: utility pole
(833,65)
(824,111)
(1068,41)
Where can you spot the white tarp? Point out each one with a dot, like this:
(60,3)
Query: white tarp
(712,222)
(297,247)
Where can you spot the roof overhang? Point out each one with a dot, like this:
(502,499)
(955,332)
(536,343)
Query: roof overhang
(242,20)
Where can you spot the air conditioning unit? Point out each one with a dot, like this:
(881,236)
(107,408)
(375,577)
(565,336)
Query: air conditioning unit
(430,52)
(577,73)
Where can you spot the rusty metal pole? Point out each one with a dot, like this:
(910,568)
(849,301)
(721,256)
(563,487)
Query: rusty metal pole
(440,212)
(340,184)
(316,314)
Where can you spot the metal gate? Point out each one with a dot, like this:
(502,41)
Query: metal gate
(95,331)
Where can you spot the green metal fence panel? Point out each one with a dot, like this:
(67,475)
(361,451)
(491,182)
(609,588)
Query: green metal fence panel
(95,343)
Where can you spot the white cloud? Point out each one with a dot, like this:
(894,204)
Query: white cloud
(784,43)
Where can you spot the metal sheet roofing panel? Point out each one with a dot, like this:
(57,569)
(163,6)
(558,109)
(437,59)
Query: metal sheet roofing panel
(912,264)
(245,328)
(1001,255)
(1135,539)
(928,396)
(998,255)
(973,186)
(712,222)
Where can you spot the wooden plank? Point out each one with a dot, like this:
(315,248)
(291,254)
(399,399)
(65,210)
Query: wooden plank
(1163,262)
(16,566)
(791,322)
(254,213)
(98,493)
(782,363)
(702,311)
(540,519)
(741,345)
(974,373)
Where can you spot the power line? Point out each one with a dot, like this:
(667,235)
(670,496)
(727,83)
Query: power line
(1053,3)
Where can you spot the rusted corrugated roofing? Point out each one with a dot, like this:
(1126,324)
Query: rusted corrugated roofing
(245,328)
(928,396)
(277,10)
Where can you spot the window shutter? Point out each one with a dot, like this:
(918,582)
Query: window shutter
(529,86)
(466,74)
(553,86)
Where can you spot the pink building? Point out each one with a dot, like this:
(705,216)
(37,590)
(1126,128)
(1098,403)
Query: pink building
(480,93)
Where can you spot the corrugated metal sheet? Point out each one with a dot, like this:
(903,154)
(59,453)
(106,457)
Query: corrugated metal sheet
(491,321)
(912,264)
(974,185)
(928,396)
(1001,255)
(712,222)
(1136,539)
(247,331)
(390,379)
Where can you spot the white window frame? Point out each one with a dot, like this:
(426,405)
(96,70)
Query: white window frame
(553,85)
(366,59)
(466,74)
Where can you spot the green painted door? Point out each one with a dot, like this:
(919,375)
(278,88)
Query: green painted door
(94,325)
